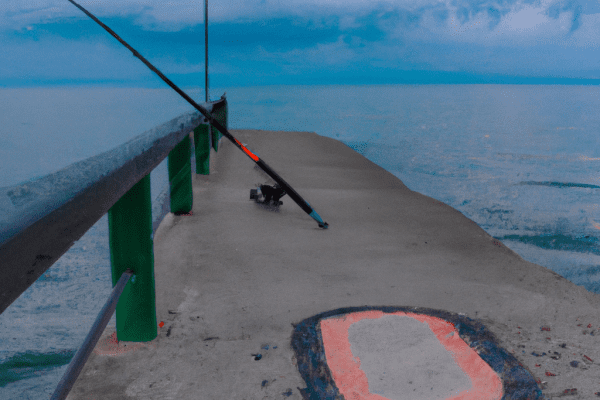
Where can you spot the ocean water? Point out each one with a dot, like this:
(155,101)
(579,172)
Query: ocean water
(522,161)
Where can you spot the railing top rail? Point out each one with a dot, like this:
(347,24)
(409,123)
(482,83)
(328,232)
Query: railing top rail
(40,220)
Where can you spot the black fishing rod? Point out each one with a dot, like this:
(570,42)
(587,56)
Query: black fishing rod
(263,165)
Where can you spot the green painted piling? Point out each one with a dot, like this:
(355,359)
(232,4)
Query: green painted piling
(131,246)
(180,177)
(202,149)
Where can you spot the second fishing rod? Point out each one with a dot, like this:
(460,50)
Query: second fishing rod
(263,165)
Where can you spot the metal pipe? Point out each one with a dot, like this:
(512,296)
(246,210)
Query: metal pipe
(78,361)
(206,49)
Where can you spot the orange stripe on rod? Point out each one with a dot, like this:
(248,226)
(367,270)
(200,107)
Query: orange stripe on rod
(250,154)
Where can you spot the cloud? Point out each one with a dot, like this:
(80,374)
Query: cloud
(534,26)
(526,20)
(278,37)
(574,8)
(61,59)
(391,15)
(467,10)
(337,54)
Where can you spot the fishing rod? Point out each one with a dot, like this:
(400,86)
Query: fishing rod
(263,165)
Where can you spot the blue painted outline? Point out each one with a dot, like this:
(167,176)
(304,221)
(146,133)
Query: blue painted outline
(517,381)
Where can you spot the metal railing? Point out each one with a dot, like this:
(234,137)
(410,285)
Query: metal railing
(78,361)
(40,220)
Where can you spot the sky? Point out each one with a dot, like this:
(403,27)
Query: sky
(263,42)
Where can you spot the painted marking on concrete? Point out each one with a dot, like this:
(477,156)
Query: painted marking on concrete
(353,382)
(468,351)
(110,346)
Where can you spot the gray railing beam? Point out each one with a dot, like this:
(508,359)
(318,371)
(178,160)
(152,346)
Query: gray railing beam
(40,220)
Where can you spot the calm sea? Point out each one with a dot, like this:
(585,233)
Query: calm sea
(521,161)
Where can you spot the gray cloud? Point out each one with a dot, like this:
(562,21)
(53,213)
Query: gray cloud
(385,16)
(575,7)
(310,37)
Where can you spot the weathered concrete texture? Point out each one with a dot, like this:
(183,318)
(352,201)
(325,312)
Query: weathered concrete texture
(233,278)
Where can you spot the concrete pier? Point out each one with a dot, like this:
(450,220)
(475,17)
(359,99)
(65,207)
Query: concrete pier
(235,278)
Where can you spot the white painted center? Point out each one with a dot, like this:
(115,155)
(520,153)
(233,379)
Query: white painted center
(404,360)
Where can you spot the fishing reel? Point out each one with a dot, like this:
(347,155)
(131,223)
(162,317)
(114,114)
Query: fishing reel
(268,195)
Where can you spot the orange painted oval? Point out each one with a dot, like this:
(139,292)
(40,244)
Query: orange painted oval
(352,381)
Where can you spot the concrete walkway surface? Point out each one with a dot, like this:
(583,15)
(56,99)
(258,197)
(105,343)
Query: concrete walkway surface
(251,296)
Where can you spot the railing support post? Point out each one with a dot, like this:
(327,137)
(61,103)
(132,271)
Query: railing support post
(225,118)
(131,246)
(221,116)
(180,178)
(215,137)
(202,149)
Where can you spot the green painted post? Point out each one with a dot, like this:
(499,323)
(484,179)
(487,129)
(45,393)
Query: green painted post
(131,246)
(202,149)
(180,178)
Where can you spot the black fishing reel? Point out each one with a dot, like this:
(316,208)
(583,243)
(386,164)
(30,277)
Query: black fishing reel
(268,195)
